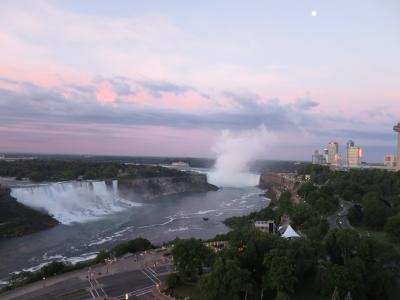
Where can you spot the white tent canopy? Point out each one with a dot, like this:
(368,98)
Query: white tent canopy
(290,233)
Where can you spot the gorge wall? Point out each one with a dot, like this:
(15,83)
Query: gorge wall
(163,186)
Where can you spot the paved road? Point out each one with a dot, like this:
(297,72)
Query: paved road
(135,275)
(340,220)
(75,287)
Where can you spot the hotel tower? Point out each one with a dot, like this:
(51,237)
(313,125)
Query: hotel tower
(397,129)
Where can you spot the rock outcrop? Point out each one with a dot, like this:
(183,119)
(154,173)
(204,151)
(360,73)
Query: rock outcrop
(17,219)
(163,186)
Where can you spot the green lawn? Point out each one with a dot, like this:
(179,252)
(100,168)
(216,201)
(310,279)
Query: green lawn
(189,290)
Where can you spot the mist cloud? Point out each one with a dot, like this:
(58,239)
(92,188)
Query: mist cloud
(234,152)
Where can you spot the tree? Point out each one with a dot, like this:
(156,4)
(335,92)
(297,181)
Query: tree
(350,277)
(355,215)
(225,280)
(305,189)
(172,282)
(340,244)
(190,256)
(375,213)
(281,295)
(139,244)
(285,202)
(250,246)
(392,228)
(101,256)
(305,256)
(132,246)
(382,285)
(303,213)
(120,249)
(281,271)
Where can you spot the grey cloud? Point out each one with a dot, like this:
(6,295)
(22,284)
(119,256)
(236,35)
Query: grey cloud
(245,99)
(122,86)
(84,89)
(387,135)
(305,104)
(156,88)
(37,107)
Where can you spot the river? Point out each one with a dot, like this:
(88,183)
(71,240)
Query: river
(95,218)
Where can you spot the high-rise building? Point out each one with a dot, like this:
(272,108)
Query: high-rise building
(389,161)
(319,157)
(325,152)
(333,152)
(396,128)
(354,154)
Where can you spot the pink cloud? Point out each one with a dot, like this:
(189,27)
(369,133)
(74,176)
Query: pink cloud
(105,92)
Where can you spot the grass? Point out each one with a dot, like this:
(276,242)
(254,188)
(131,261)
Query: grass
(190,291)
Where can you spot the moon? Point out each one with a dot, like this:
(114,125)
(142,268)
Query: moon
(314,13)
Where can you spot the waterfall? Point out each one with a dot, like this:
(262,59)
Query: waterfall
(75,201)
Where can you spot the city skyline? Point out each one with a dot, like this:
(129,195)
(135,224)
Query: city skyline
(165,79)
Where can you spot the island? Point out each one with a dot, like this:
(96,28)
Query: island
(17,219)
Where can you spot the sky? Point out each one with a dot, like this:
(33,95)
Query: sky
(167,77)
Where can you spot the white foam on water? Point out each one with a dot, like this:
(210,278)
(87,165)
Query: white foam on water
(35,268)
(101,241)
(52,257)
(72,260)
(178,229)
(83,257)
(110,238)
(75,201)
(204,212)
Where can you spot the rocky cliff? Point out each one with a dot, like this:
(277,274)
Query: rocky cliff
(17,219)
(269,179)
(163,186)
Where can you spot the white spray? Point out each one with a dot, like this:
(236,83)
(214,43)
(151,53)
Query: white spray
(234,152)
(74,201)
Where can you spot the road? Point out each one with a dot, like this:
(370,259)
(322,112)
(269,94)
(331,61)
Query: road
(340,220)
(136,275)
